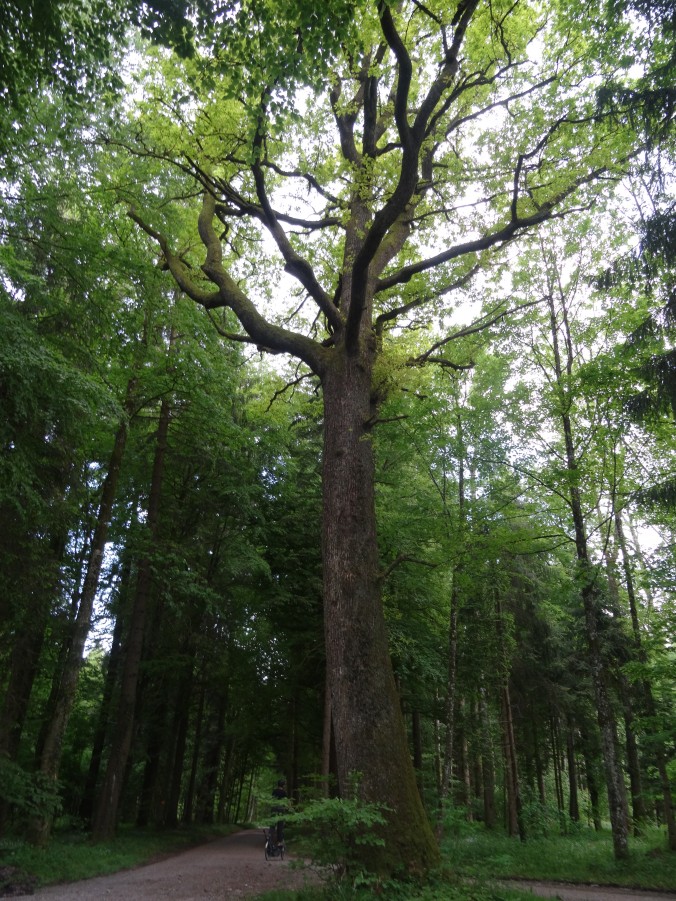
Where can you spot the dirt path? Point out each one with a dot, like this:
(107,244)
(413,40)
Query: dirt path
(232,867)
(567,892)
(235,867)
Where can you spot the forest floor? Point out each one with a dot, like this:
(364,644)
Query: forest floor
(235,867)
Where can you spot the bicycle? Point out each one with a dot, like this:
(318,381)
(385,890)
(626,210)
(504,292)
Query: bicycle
(273,847)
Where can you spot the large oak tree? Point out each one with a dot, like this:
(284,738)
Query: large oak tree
(359,163)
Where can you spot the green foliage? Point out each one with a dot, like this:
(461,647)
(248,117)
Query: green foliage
(456,824)
(66,46)
(30,794)
(238,594)
(336,832)
(545,820)
(438,890)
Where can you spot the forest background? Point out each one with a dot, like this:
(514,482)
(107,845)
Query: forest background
(427,556)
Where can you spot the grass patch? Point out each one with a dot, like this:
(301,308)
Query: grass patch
(72,856)
(440,892)
(584,857)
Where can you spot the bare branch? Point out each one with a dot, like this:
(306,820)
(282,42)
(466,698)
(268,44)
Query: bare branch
(405,73)
(461,21)
(422,301)
(305,176)
(479,326)
(295,264)
(502,235)
(287,387)
(411,141)
(405,558)
(231,336)
(447,364)
(345,123)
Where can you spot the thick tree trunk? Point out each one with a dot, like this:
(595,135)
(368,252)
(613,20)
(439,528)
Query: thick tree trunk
(371,740)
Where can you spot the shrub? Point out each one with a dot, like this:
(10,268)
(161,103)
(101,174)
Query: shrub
(337,831)
(28,794)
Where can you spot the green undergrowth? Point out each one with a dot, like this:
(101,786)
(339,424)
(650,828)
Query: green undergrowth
(585,857)
(442,891)
(72,856)
(475,861)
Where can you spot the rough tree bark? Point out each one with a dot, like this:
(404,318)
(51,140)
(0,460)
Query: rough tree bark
(364,701)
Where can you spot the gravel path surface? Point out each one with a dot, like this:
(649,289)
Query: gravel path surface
(232,867)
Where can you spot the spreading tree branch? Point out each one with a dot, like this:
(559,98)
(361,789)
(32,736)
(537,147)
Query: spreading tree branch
(479,326)
(405,558)
(502,235)
(263,333)
(294,263)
